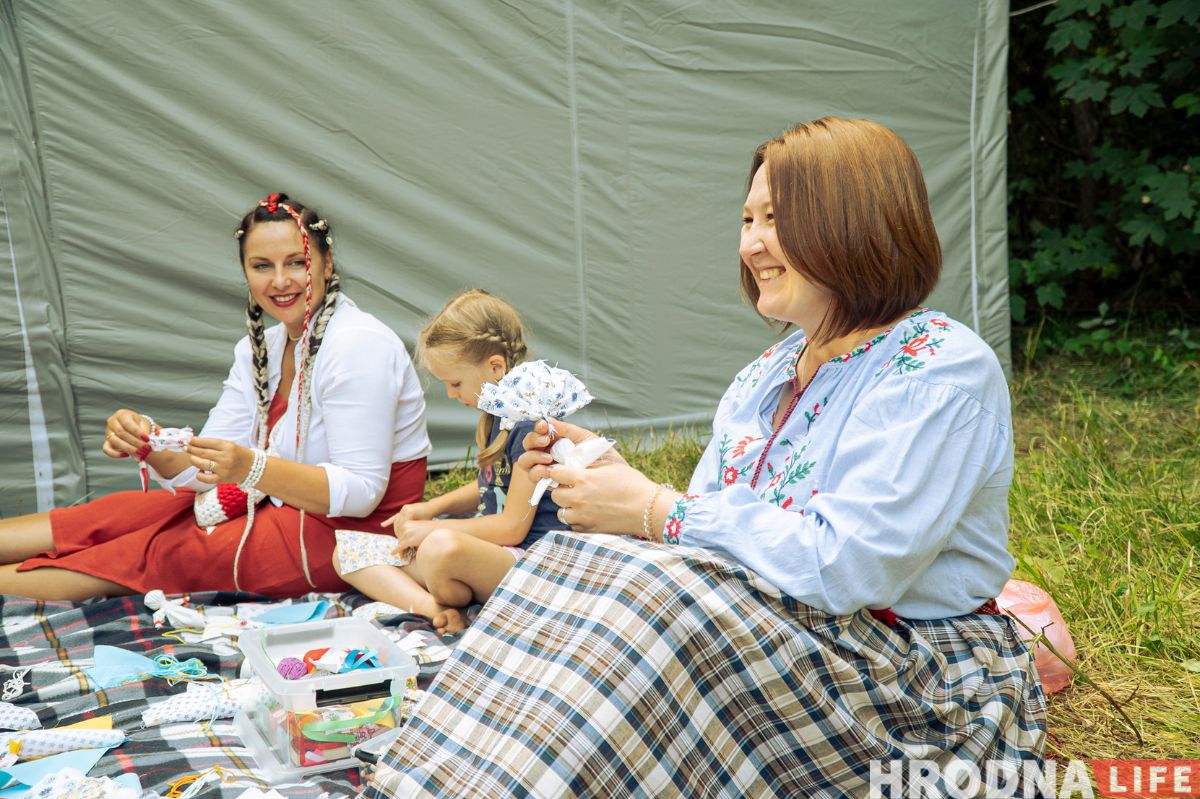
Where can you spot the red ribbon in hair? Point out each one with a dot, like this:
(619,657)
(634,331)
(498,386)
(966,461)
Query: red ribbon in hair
(272,203)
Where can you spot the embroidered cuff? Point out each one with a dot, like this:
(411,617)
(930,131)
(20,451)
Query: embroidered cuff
(673,527)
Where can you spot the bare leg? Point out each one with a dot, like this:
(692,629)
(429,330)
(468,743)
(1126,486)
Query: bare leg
(403,588)
(458,567)
(53,583)
(23,537)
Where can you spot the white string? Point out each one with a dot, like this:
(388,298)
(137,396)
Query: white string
(14,685)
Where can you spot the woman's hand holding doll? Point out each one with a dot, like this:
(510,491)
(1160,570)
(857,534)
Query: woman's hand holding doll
(607,497)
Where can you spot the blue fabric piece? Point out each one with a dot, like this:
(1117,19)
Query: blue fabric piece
(129,781)
(294,614)
(360,659)
(114,666)
(28,774)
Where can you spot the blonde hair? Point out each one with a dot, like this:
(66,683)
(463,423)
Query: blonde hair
(473,326)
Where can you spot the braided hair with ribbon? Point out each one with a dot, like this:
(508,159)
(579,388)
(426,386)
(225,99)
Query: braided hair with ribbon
(315,233)
(475,325)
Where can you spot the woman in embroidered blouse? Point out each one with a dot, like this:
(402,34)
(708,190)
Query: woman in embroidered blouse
(864,461)
(861,465)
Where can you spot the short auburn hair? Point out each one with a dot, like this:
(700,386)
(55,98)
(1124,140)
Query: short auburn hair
(852,216)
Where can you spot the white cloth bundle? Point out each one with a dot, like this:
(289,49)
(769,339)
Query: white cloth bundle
(569,453)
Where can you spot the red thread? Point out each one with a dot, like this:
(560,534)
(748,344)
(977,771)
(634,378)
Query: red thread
(307,311)
(787,412)
(272,203)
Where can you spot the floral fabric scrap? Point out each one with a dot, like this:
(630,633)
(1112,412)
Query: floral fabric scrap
(357,551)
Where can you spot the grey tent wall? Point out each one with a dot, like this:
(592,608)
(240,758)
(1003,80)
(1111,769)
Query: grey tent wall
(585,160)
(39,432)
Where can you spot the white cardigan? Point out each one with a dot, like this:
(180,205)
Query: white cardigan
(368,410)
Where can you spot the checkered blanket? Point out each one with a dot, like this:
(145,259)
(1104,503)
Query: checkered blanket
(58,640)
(610,667)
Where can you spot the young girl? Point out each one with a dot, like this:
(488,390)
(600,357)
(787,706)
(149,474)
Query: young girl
(474,340)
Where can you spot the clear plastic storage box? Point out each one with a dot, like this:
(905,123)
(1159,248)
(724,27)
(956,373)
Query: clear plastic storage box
(308,726)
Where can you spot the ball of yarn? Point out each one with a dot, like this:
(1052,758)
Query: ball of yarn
(291,668)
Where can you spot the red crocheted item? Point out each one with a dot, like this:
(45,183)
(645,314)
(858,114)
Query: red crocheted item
(232,499)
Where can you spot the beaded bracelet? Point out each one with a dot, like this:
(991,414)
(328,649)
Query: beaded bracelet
(650,509)
(256,470)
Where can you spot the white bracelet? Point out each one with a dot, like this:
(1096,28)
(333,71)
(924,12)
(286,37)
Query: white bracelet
(649,509)
(256,470)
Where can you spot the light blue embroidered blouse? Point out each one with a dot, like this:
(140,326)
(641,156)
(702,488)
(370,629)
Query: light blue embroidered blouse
(885,486)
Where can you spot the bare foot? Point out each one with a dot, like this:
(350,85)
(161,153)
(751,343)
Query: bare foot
(447,622)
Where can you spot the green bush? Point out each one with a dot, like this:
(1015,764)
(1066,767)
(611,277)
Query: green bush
(1104,161)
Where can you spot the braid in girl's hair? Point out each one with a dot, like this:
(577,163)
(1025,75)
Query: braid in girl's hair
(474,326)
(313,231)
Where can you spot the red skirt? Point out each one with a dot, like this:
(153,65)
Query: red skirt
(150,540)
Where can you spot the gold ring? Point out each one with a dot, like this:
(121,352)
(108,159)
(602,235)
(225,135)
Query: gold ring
(111,434)
(212,466)
(560,516)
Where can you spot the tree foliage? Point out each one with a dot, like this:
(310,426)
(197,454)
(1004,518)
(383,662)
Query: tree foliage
(1104,157)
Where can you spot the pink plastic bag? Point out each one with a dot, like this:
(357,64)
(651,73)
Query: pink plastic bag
(1036,608)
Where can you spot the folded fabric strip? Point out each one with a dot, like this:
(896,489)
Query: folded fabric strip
(17,718)
(32,744)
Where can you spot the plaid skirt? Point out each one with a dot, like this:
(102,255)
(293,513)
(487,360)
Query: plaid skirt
(610,667)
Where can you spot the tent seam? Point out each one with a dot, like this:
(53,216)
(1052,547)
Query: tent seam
(39,434)
(979,20)
(576,179)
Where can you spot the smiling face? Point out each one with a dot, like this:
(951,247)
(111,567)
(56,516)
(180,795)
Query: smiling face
(274,264)
(463,380)
(783,293)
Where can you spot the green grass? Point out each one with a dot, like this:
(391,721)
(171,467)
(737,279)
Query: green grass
(1106,517)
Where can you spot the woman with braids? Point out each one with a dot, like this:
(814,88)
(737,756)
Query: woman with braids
(321,424)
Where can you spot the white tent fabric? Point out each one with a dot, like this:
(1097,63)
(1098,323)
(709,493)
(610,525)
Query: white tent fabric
(585,159)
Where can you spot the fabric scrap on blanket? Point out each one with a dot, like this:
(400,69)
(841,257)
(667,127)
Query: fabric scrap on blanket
(375,610)
(17,718)
(293,613)
(32,744)
(71,784)
(423,648)
(29,774)
(205,701)
(257,793)
(113,666)
(604,662)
